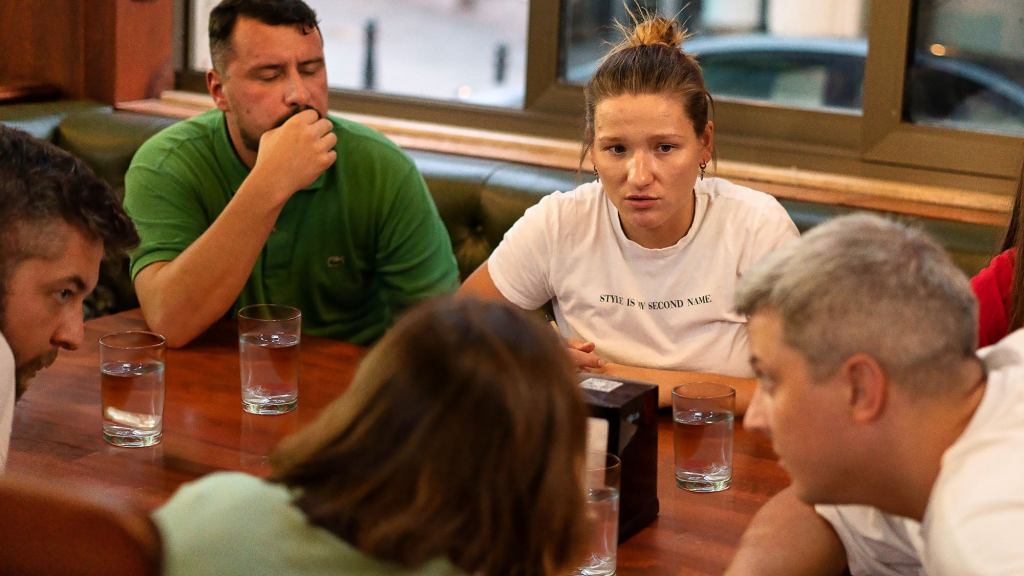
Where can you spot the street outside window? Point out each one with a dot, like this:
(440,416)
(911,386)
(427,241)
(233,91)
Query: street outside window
(797,53)
(464,50)
(967,68)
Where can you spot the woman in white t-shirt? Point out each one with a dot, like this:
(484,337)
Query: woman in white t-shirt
(640,265)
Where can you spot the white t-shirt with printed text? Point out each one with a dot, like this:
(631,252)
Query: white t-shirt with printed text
(669,308)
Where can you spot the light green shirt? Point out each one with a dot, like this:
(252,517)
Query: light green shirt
(351,251)
(232,523)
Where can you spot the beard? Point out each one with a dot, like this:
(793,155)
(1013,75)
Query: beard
(251,140)
(24,373)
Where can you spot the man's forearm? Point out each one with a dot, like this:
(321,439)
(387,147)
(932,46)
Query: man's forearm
(182,298)
(788,538)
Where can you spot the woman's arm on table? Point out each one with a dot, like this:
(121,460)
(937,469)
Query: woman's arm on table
(669,379)
(480,284)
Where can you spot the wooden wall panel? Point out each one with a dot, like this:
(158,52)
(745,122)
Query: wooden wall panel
(99,35)
(42,41)
(144,40)
(106,50)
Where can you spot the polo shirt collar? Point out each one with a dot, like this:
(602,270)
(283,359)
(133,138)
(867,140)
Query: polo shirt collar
(226,149)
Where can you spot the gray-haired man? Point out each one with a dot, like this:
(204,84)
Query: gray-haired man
(862,336)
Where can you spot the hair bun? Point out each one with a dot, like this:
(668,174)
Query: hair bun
(650,30)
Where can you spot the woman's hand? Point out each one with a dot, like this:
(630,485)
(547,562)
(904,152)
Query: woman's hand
(582,354)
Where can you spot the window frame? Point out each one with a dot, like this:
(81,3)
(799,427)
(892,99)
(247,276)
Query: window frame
(887,135)
(875,143)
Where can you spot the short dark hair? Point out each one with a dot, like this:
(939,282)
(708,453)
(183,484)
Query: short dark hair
(272,12)
(40,184)
(462,436)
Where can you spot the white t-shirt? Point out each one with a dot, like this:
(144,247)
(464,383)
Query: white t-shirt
(7,390)
(669,308)
(976,506)
(876,543)
(975,513)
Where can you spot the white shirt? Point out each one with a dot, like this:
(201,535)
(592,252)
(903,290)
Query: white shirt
(669,308)
(976,507)
(975,513)
(876,543)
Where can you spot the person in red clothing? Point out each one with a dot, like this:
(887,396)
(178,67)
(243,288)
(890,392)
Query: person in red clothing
(997,284)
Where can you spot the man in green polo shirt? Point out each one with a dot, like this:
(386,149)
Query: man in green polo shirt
(268,199)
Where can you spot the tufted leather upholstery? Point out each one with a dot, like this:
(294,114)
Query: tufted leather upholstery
(478,199)
(108,150)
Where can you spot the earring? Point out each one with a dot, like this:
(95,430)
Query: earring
(596,175)
(703,165)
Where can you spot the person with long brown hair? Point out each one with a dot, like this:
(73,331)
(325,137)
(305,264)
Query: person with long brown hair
(999,285)
(641,264)
(458,449)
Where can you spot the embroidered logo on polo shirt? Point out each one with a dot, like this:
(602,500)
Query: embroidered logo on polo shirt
(335,261)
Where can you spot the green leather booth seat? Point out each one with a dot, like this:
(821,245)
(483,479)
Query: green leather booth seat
(478,199)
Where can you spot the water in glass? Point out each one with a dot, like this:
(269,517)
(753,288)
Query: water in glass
(703,444)
(132,402)
(603,516)
(270,372)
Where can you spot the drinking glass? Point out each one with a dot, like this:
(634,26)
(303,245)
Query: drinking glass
(702,417)
(132,388)
(268,343)
(601,485)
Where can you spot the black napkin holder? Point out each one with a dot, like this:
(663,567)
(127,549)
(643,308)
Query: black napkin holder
(631,410)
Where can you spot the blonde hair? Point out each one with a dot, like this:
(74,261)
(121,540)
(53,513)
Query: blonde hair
(649,60)
(649,30)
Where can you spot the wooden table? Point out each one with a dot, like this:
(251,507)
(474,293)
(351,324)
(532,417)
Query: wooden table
(57,437)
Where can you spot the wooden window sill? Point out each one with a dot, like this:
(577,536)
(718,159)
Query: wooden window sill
(941,203)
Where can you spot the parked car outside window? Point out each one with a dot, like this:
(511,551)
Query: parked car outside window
(829,73)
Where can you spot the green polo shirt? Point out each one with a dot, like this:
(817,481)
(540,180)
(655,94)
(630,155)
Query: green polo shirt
(351,251)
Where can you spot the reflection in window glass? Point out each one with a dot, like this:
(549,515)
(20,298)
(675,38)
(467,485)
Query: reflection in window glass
(967,70)
(466,50)
(800,53)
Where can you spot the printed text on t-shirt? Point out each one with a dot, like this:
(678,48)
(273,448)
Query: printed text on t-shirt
(655,304)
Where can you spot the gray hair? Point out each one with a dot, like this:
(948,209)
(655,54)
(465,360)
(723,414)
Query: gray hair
(864,284)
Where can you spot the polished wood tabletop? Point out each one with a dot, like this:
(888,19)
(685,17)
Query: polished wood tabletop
(57,437)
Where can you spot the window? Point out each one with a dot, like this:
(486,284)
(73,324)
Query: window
(799,53)
(967,67)
(465,50)
(840,86)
